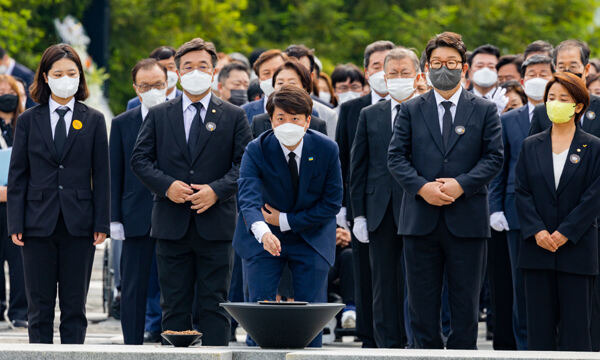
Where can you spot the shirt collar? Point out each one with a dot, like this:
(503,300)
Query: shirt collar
(172,95)
(454,99)
(144,112)
(205,101)
(375,97)
(297,150)
(488,94)
(11,66)
(54,105)
(531,107)
(394,103)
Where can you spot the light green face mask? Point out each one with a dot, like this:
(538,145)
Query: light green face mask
(560,112)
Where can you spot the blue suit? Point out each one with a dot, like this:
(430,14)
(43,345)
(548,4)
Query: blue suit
(253,108)
(133,102)
(515,128)
(309,247)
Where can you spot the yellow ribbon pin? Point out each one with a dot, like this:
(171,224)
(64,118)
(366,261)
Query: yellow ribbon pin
(77,124)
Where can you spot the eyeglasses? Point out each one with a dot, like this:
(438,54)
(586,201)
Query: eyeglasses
(147,87)
(450,64)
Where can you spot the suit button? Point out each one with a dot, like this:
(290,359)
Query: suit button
(61,166)
(60,187)
(191,172)
(445,160)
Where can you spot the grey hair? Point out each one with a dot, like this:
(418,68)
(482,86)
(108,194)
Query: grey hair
(400,53)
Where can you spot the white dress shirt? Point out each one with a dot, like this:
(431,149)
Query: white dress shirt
(260,228)
(144,112)
(558,164)
(375,97)
(11,66)
(189,111)
(530,107)
(454,100)
(487,95)
(53,105)
(172,95)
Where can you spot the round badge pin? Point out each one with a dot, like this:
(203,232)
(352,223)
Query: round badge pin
(210,126)
(459,130)
(574,158)
(77,124)
(590,115)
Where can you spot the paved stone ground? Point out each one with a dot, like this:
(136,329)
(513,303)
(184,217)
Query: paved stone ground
(108,331)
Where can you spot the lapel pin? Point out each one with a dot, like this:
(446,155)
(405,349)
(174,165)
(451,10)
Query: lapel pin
(590,115)
(584,145)
(210,126)
(311,158)
(77,124)
(578,150)
(459,130)
(214,111)
(574,158)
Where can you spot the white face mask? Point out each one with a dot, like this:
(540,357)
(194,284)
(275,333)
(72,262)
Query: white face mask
(401,88)
(196,82)
(215,83)
(348,95)
(485,77)
(153,97)
(377,82)
(535,88)
(172,78)
(289,134)
(3,69)
(63,87)
(267,87)
(325,96)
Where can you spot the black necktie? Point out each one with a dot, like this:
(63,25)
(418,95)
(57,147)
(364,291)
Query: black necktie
(293,167)
(397,108)
(447,122)
(195,130)
(60,131)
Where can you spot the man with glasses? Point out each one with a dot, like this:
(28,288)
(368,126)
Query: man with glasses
(188,154)
(445,149)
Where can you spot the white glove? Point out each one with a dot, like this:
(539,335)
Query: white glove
(117,232)
(500,99)
(340,219)
(360,229)
(498,221)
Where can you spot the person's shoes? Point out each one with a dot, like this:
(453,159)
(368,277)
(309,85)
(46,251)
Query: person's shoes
(152,337)
(489,335)
(349,318)
(14,324)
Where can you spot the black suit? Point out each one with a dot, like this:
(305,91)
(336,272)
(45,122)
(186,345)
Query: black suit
(193,248)
(58,201)
(558,285)
(377,196)
(453,236)
(262,123)
(363,294)
(131,205)
(22,72)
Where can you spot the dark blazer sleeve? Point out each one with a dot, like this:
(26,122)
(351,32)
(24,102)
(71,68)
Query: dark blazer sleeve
(18,177)
(359,160)
(490,162)
(399,154)
(322,127)
(226,186)
(498,185)
(250,188)
(101,178)
(117,170)
(344,148)
(529,219)
(143,158)
(257,128)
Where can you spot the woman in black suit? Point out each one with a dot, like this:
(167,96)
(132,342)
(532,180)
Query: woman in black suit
(58,195)
(557,198)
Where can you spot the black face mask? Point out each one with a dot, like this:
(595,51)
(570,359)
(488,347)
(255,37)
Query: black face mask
(8,103)
(579,75)
(238,97)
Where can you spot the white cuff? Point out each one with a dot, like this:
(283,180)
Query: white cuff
(259,229)
(117,232)
(283,222)
(360,218)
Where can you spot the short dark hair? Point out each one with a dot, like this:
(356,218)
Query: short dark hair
(266,56)
(254,89)
(39,89)
(517,60)
(536,59)
(290,99)
(423,61)
(162,53)
(379,45)
(232,66)
(197,44)
(538,46)
(576,88)
(344,72)
(514,85)
(300,51)
(484,49)
(2,52)
(447,39)
(301,70)
(146,64)
(584,50)
(590,79)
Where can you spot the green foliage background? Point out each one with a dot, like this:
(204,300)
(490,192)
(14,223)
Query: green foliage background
(337,29)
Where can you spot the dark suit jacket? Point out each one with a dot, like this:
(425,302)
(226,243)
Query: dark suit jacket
(131,202)
(372,186)
(42,184)
(133,102)
(416,157)
(571,209)
(344,136)
(262,123)
(254,108)
(27,75)
(265,178)
(591,118)
(515,128)
(161,156)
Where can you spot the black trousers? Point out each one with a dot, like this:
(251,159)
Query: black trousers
(501,291)
(341,275)
(559,309)
(387,274)
(464,260)
(193,264)
(11,253)
(595,328)
(65,260)
(363,294)
(136,262)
